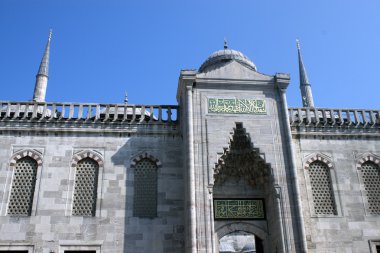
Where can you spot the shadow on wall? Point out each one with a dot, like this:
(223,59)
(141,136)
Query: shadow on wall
(131,238)
(139,234)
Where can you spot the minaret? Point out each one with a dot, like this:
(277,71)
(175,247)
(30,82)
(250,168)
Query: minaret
(126,98)
(42,75)
(307,95)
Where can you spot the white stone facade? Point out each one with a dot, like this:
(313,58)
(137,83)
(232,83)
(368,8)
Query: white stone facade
(199,152)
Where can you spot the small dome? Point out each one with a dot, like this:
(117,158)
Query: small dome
(226,55)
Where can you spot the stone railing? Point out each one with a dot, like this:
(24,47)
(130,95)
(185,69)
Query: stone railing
(88,112)
(320,117)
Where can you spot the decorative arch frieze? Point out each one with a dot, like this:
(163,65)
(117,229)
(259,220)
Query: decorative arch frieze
(242,160)
(87,154)
(368,157)
(318,157)
(145,155)
(34,154)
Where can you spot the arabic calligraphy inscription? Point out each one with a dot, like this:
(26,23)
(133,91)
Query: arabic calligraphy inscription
(239,209)
(236,106)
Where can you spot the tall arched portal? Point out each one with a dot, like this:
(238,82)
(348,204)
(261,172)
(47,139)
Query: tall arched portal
(244,198)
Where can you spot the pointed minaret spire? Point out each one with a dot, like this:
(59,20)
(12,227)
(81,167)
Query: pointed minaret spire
(126,98)
(307,95)
(42,74)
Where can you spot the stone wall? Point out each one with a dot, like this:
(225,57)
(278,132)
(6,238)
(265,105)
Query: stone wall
(52,228)
(353,227)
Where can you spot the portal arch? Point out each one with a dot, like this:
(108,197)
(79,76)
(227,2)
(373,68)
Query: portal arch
(244,198)
(242,237)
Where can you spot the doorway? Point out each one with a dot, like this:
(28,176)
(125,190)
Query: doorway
(240,242)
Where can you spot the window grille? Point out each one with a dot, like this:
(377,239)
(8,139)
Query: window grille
(145,189)
(85,188)
(23,185)
(321,187)
(371,179)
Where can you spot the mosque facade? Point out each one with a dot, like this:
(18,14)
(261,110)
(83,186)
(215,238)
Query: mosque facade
(230,168)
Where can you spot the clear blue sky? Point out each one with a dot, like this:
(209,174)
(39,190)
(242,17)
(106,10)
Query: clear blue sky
(100,49)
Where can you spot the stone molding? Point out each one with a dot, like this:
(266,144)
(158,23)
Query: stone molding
(145,155)
(365,158)
(16,246)
(87,154)
(318,157)
(34,154)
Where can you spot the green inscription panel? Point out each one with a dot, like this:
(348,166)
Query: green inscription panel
(236,106)
(239,209)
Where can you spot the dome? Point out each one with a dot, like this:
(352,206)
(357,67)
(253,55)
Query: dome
(226,55)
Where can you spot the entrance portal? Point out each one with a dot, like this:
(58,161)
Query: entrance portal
(240,242)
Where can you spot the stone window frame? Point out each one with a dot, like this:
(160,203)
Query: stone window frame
(373,244)
(35,155)
(133,164)
(77,157)
(80,246)
(334,184)
(368,157)
(16,246)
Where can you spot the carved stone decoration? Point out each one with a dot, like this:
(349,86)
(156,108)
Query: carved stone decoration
(241,160)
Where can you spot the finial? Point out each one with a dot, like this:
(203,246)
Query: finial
(126,98)
(225,43)
(298,44)
(50,33)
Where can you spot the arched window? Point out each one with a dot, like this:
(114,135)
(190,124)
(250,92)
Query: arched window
(370,174)
(145,189)
(322,191)
(23,185)
(85,187)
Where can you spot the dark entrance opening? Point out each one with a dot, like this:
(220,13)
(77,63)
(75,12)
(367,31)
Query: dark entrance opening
(259,245)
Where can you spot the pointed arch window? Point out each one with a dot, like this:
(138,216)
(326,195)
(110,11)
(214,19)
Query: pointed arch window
(85,187)
(370,174)
(322,190)
(145,189)
(23,186)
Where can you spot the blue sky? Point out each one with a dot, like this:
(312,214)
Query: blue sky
(100,49)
